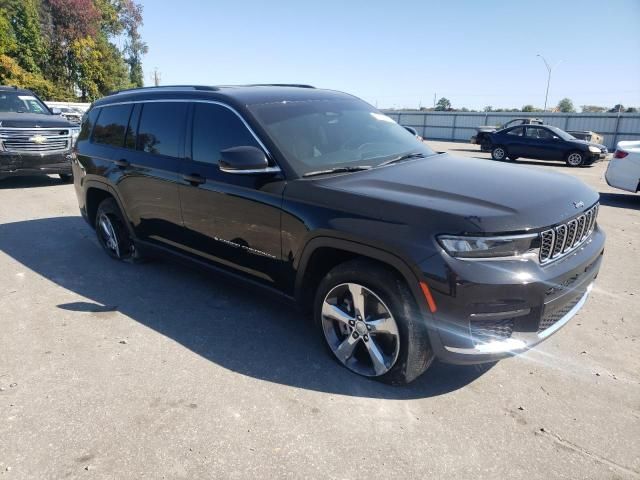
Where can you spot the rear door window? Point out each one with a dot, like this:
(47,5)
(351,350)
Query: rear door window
(161,128)
(111,125)
(516,132)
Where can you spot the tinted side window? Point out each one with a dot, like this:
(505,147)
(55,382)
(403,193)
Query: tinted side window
(216,128)
(111,125)
(87,124)
(541,133)
(516,131)
(161,128)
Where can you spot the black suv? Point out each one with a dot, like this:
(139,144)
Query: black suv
(403,254)
(34,140)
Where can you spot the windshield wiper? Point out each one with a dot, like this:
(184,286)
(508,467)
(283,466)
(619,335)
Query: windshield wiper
(337,170)
(400,158)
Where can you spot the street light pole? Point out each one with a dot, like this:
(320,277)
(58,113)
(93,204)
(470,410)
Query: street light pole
(549,68)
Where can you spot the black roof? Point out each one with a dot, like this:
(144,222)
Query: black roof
(11,88)
(233,94)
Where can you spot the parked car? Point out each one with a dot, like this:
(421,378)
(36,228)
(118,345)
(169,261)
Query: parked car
(482,137)
(71,114)
(544,142)
(624,168)
(402,254)
(34,139)
(587,135)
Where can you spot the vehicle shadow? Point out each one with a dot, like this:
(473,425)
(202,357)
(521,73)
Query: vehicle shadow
(620,200)
(239,328)
(29,182)
(472,150)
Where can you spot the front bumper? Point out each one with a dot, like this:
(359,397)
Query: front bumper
(488,310)
(16,164)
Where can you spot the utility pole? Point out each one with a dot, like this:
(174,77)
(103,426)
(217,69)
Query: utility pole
(549,69)
(155,77)
(434,100)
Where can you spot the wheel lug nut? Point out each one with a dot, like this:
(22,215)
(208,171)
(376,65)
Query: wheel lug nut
(369,327)
(366,338)
(352,323)
(355,335)
(358,317)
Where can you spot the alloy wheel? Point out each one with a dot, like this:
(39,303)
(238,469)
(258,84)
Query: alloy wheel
(574,159)
(499,153)
(360,329)
(108,234)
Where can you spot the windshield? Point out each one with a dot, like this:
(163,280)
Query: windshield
(562,134)
(325,134)
(21,103)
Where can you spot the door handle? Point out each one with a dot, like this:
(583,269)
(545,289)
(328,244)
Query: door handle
(122,163)
(194,179)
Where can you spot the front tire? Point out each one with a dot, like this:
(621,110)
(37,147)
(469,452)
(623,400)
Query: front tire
(575,159)
(499,153)
(368,319)
(112,232)
(66,177)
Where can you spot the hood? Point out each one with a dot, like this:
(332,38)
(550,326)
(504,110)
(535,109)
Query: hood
(31,120)
(484,195)
(584,142)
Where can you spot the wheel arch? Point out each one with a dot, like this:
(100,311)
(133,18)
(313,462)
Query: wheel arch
(96,192)
(323,253)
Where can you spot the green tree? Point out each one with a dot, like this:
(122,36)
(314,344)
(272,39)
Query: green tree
(31,51)
(7,37)
(566,106)
(632,110)
(528,108)
(593,109)
(488,108)
(134,47)
(443,104)
(617,108)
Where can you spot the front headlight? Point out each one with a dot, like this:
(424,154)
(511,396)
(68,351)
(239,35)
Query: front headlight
(488,247)
(75,132)
(594,149)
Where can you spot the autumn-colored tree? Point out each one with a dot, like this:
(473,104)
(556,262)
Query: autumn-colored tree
(67,48)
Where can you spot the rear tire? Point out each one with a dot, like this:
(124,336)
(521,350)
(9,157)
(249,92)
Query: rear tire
(575,159)
(112,232)
(66,177)
(370,323)
(499,153)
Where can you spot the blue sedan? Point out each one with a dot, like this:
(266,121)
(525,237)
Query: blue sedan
(544,142)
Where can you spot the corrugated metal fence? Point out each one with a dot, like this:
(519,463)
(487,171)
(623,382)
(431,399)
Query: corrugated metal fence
(460,126)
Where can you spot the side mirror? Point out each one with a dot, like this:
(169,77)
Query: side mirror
(555,137)
(56,111)
(411,130)
(244,159)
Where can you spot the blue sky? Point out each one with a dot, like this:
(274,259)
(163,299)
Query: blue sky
(399,53)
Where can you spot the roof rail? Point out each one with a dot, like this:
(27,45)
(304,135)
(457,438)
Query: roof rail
(296,85)
(166,88)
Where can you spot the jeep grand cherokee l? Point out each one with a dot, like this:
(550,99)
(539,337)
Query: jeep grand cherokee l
(404,255)
(33,141)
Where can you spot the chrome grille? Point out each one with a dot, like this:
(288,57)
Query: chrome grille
(558,241)
(35,140)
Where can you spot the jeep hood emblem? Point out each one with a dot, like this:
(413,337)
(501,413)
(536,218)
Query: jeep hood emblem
(579,204)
